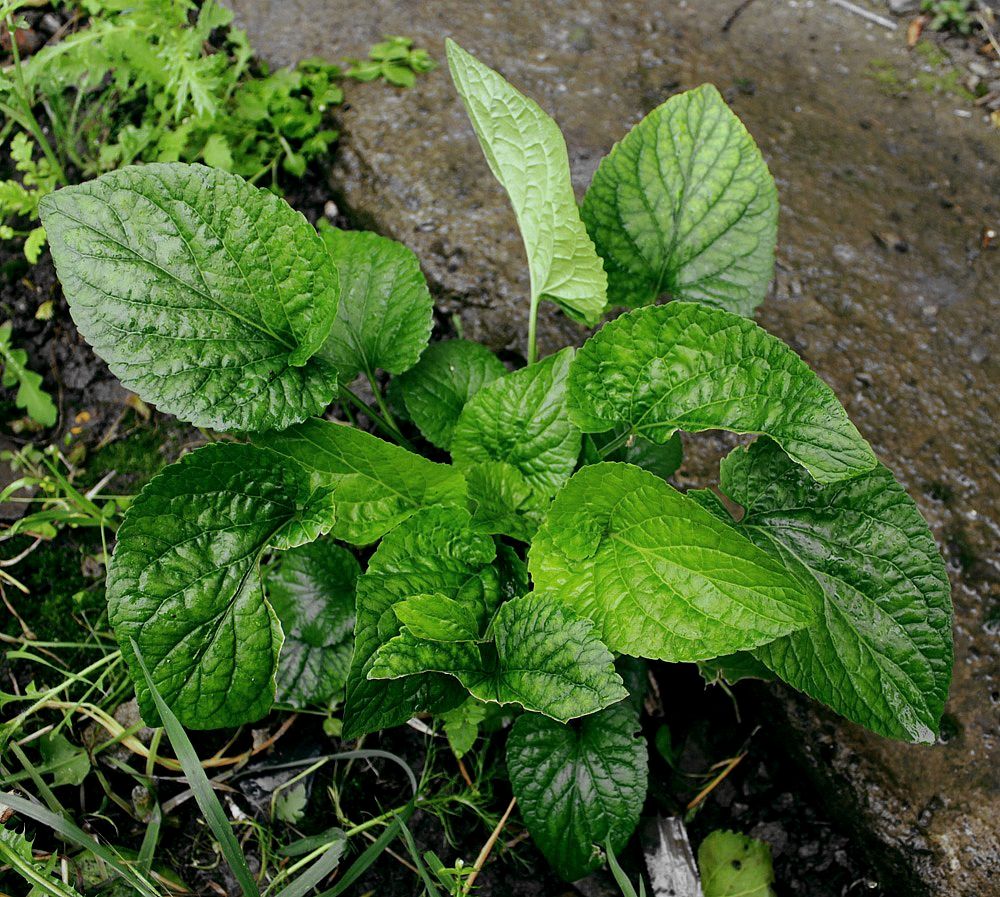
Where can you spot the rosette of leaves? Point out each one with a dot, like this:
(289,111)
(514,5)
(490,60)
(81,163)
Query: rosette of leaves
(550,540)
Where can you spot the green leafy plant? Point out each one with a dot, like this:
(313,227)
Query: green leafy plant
(31,395)
(948,15)
(552,542)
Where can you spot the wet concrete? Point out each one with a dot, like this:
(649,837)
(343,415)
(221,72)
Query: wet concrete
(882,286)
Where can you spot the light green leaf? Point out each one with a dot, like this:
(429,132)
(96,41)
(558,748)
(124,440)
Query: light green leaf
(579,786)
(312,593)
(880,653)
(439,618)
(217,153)
(660,576)
(184,581)
(734,865)
(684,366)
(436,390)
(527,155)
(503,501)
(375,485)
(544,658)
(461,725)
(521,419)
(733,668)
(684,205)
(34,243)
(68,763)
(432,552)
(386,311)
(31,395)
(205,295)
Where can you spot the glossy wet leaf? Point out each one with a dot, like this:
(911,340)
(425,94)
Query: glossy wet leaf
(503,502)
(432,552)
(579,786)
(684,206)
(312,592)
(374,484)
(521,420)
(527,155)
(735,865)
(435,391)
(880,652)
(206,296)
(660,576)
(544,658)
(185,584)
(386,311)
(688,367)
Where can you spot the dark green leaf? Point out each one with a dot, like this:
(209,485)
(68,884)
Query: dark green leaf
(684,366)
(385,314)
(205,295)
(436,390)
(684,205)
(312,592)
(880,653)
(579,785)
(521,419)
(660,576)
(184,581)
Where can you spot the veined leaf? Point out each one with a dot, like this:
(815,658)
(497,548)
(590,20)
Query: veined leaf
(432,552)
(684,205)
(312,593)
(503,501)
(684,366)
(385,313)
(660,576)
(439,618)
(521,420)
(880,653)
(205,295)
(735,865)
(438,387)
(375,485)
(527,155)
(579,786)
(184,581)
(544,658)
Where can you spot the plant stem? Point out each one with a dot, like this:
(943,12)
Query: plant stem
(616,443)
(533,330)
(384,425)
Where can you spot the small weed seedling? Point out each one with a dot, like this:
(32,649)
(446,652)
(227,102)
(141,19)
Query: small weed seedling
(552,543)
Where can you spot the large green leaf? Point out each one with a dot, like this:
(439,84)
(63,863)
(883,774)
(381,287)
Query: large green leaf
(386,311)
(579,786)
(312,592)
(503,501)
(543,658)
(684,366)
(880,653)
(659,575)
(521,419)
(436,390)
(684,205)
(432,552)
(527,155)
(735,865)
(205,295)
(375,485)
(184,581)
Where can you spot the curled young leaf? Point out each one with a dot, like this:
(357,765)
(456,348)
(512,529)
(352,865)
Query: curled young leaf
(880,651)
(684,366)
(527,155)
(205,295)
(684,206)
(184,581)
(660,576)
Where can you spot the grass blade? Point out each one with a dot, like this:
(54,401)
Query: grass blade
(316,872)
(215,816)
